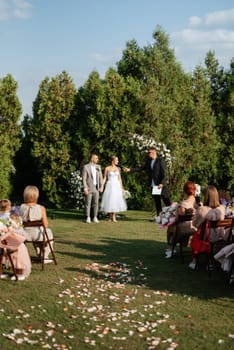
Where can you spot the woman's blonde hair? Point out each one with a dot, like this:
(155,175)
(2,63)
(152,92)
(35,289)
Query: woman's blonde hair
(211,197)
(31,194)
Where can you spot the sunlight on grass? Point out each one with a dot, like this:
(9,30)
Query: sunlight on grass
(113,289)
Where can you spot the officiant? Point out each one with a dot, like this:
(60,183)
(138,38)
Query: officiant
(156,170)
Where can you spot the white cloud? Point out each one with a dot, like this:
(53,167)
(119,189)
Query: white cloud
(191,36)
(14,9)
(101,58)
(213,32)
(220,18)
(4,10)
(109,58)
(195,21)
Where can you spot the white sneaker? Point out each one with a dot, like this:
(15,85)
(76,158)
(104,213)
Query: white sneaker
(95,219)
(48,261)
(4,276)
(88,220)
(20,278)
(169,250)
(168,254)
(192,265)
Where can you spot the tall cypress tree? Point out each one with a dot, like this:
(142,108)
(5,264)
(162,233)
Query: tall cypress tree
(50,135)
(222,98)
(10,112)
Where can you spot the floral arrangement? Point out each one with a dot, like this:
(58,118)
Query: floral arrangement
(228,202)
(6,225)
(143,143)
(229,208)
(3,227)
(167,216)
(10,223)
(76,189)
(126,194)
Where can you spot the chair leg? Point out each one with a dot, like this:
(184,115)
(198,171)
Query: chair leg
(1,259)
(197,262)
(51,249)
(173,250)
(181,253)
(12,265)
(230,279)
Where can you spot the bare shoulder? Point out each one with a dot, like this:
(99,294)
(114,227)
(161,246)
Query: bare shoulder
(43,208)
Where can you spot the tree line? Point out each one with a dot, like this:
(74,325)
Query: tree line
(147,93)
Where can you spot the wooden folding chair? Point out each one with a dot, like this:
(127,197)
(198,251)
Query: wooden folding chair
(41,245)
(181,238)
(7,252)
(228,225)
(201,245)
(231,272)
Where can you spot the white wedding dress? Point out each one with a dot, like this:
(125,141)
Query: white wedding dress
(112,198)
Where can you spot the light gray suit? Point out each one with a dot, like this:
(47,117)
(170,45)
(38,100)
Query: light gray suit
(92,199)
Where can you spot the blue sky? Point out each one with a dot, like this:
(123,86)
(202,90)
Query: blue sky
(40,38)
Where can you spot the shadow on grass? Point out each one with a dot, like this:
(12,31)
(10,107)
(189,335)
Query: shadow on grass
(61,214)
(159,273)
(80,215)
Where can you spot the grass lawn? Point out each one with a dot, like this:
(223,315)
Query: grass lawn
(113,289)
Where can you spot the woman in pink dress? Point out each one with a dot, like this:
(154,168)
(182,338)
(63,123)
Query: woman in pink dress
(12,237)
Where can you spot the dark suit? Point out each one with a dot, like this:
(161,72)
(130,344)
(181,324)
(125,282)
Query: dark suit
(156,176)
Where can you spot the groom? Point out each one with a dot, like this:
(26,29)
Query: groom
(93,185)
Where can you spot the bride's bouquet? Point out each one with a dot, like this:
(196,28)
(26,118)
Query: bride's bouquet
(126,194)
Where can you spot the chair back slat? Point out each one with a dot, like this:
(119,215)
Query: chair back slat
(34,223)
(222,223)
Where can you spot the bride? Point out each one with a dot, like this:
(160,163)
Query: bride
(112,198)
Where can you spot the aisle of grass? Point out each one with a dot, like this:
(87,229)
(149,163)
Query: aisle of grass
(113,289)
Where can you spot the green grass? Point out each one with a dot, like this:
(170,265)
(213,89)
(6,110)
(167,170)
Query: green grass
(113,289)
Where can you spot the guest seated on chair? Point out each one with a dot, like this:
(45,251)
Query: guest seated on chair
(182,228)
(12,237)
(210,210)
(30,210)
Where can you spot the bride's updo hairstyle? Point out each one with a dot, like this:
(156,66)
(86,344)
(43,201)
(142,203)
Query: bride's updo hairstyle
(113,158)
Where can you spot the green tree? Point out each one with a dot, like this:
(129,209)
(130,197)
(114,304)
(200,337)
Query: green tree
(163,101)
(50,135)
(10,112)
(201,131)
(83,137)
(222,87)
(147,94)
